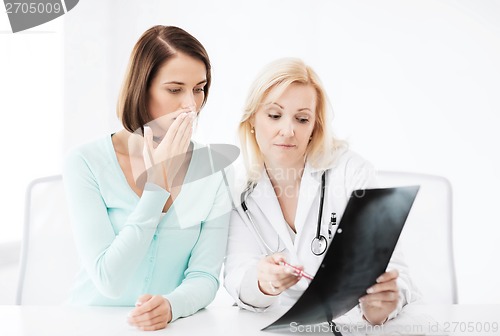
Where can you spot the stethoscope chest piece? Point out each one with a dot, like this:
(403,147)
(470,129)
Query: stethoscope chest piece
(318,245)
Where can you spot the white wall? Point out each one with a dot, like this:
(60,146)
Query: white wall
(31,65)
(414,86)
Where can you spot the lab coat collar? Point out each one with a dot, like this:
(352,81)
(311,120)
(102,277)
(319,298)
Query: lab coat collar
(333,161)
(268,203)
(308,168)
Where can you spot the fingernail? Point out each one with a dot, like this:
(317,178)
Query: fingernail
(138,304)
(361,299)
(369,290)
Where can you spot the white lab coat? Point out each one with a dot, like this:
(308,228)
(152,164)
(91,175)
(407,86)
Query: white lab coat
(347,173)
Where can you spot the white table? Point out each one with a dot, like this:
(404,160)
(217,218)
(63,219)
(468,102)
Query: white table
(227,320)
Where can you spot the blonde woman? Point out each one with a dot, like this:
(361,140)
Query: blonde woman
(291,156)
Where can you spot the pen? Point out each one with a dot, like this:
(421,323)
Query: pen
(301,272)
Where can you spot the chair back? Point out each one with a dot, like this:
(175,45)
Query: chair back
(49,260)
(427,238)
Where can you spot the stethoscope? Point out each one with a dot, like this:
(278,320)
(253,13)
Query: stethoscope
(319,243)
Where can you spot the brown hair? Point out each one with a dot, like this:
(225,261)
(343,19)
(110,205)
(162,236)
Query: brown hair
(155,47)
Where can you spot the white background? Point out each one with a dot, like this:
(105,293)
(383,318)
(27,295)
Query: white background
(414,86)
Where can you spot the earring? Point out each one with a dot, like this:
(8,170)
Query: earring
(252,131)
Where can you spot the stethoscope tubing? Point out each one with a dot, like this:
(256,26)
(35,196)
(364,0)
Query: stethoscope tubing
(321,200)
(318,239)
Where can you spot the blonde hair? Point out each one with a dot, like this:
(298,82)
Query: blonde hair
(276,77)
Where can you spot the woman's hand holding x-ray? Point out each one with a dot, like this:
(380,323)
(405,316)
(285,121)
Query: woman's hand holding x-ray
(382,298)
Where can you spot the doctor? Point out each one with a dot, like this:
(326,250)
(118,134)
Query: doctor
(299,182)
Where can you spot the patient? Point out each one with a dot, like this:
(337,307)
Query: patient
(141,241)
(291,157)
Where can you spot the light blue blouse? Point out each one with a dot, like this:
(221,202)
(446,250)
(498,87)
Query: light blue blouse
(129,248)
